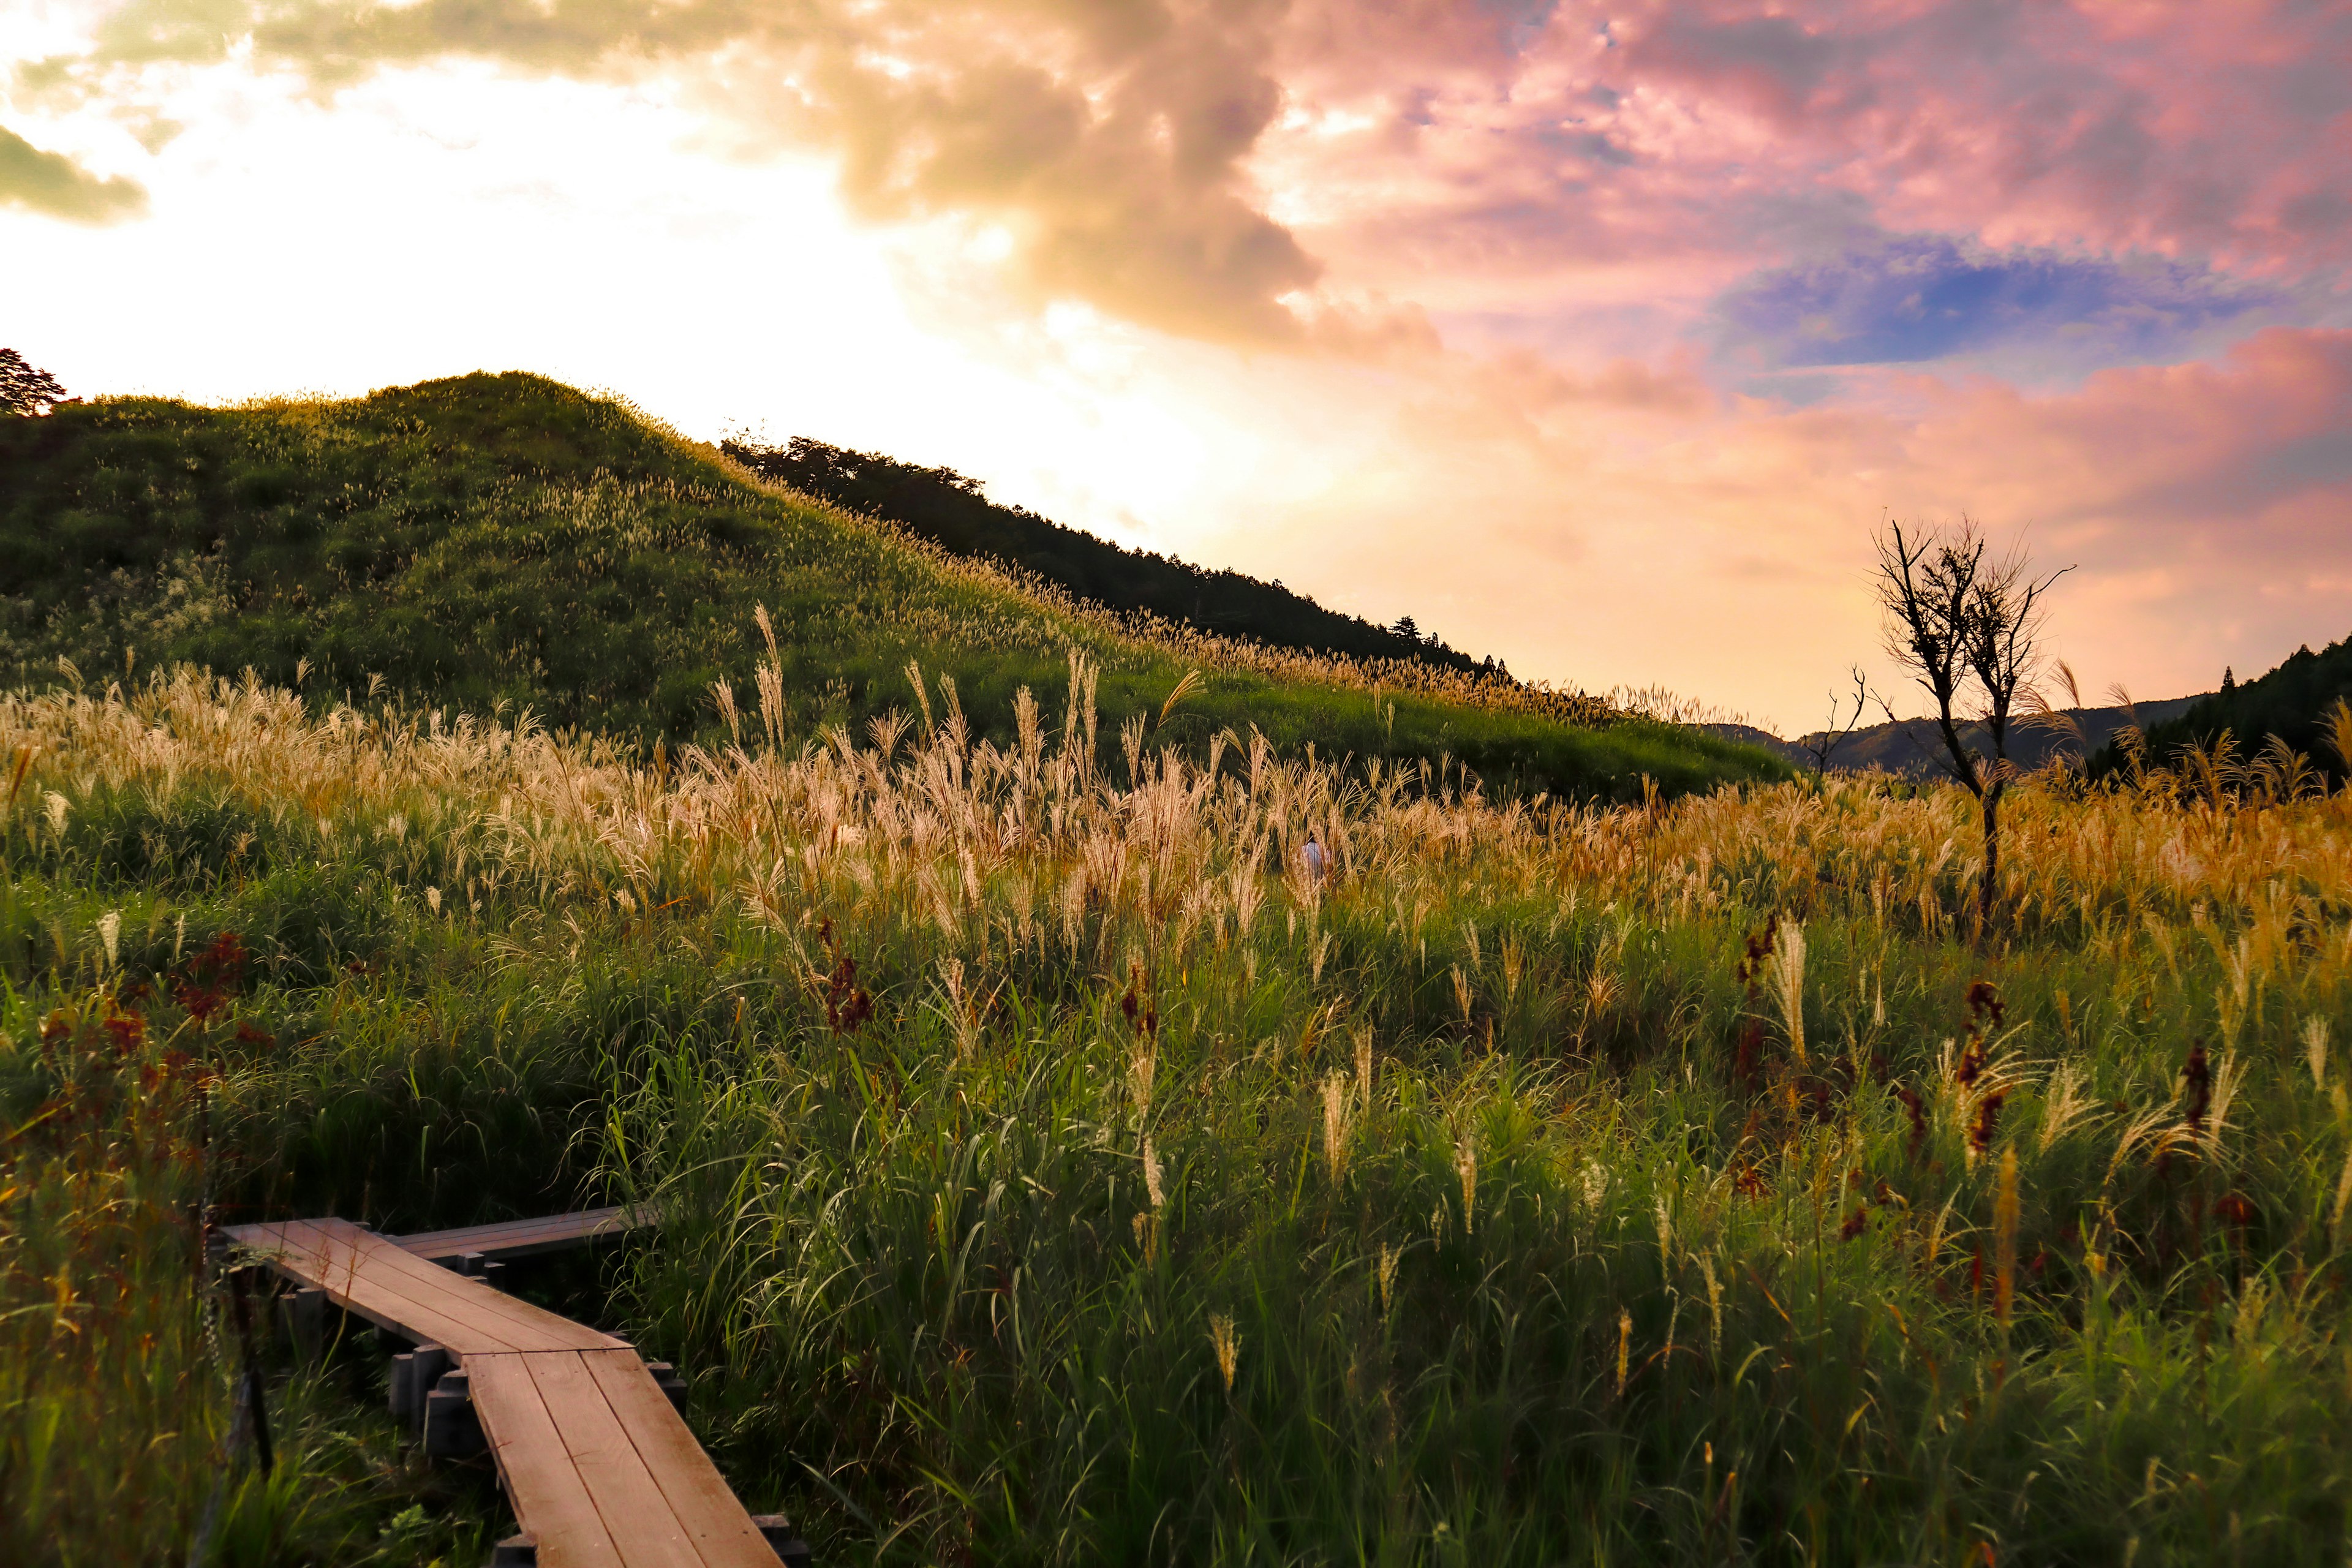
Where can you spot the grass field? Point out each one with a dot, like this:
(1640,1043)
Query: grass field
(1055,1173)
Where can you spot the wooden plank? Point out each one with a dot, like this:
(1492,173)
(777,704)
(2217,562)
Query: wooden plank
(367,1274)
(720,1527)
(523,1238)
(311,1254)
(635,1514)
(550,1499)
(389,1288)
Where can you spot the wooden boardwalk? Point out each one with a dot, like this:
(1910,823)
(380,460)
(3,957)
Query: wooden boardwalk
(598,1466)
(522,1238)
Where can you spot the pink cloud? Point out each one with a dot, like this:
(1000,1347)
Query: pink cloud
(1705,138)
(2222,449)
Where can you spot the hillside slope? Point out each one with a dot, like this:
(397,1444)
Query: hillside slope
(2287,703)
(502,539)
(951,510)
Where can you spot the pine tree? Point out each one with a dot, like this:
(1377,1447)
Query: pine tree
(24,390)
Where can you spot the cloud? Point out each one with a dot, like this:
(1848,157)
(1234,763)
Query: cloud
(1659,152)
(1213,168)
(2251,455)
(1101,145)
(1918,297)
(1772,64)
(56,186)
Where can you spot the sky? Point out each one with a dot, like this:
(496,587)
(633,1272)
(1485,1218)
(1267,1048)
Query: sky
(1599,338)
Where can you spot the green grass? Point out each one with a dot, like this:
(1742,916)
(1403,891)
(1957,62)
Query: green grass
(947,1280)
(503,543)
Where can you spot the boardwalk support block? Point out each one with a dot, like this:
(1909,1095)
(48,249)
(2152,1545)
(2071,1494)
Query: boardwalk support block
(673,1386)
(451,1428)
(515,1551)
(414,1375)
(778,1532)
(306,1320)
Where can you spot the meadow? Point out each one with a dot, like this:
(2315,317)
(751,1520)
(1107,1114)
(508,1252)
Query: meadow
(1055,1172)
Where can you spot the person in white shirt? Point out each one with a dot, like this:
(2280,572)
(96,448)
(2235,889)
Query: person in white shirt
(1311,856)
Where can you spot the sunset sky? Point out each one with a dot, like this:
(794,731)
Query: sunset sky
(1595,337)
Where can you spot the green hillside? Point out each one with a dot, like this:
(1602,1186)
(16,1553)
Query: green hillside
(2289,704)
(503,540)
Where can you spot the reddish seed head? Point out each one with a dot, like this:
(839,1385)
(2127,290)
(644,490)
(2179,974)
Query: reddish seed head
(1981,1135)
(2199,1078)
(1916,1110)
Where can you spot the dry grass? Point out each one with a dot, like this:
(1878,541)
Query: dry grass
(1062,1173)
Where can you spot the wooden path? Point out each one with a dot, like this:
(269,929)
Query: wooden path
(522,1238)
(598,1466)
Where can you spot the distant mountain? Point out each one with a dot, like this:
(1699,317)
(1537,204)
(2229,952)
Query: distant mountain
(951,510)
(2288,703)
(1911,748)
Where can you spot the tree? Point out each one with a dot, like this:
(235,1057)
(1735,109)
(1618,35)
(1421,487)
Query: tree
(1823,746)
(24,390)
(1954,617)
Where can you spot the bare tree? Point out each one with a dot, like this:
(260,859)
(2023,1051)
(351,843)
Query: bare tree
(1954,617)
(1823,746)
(26,389)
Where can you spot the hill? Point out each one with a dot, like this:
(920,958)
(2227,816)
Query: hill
(2286,704)
(502,540)
(951,510)
(1905,748)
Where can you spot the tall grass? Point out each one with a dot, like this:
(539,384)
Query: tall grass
(1055,1170)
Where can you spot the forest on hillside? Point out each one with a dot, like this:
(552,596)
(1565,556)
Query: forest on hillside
(952,511)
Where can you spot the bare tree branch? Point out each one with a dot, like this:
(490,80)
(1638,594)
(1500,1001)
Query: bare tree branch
(1825,744)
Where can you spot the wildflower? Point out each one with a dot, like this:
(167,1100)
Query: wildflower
(1971,1063)
(1916,1110)
(2198,1076)
(1980,1132)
